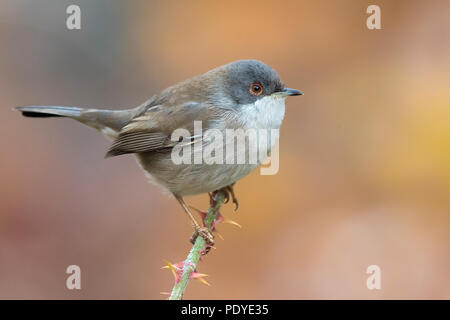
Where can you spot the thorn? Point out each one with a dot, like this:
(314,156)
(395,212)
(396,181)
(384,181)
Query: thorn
(204,282)
(176,269)
(201,213)
(234,223)
(200,277)
(219,235)
(196,275)
(170,266)
(219,217)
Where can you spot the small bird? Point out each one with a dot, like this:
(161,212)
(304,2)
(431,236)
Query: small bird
(245,94)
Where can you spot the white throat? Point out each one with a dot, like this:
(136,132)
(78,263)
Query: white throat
(265,113)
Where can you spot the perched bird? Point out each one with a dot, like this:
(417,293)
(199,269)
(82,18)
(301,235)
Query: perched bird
(245,94)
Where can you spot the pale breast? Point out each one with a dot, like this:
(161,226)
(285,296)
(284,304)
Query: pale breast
(189,179)
(266,114)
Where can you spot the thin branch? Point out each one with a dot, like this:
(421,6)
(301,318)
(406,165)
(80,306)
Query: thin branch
(190,264)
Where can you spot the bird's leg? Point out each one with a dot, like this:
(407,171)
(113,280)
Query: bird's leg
(203,232)
(230,191)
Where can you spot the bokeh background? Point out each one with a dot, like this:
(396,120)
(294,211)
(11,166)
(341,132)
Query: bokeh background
(364,155)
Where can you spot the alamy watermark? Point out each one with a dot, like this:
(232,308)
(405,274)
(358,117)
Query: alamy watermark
(374,280)
(73,21)
(227,147)
(373,22)
(74,280)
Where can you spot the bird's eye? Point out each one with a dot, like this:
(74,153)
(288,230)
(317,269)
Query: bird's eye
(256,89)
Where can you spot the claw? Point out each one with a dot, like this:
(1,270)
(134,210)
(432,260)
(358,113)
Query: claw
(236,204)
(207,235)
(229,191)
(233,197)
(212,198)
(206,250)
(227,195)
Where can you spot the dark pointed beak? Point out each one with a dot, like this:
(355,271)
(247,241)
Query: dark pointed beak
(292,92)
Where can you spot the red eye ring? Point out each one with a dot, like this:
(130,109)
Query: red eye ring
(256,88)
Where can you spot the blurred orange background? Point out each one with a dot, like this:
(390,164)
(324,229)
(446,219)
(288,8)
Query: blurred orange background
(364,155)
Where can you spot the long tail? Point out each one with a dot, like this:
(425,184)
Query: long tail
(50,111)
(109,122)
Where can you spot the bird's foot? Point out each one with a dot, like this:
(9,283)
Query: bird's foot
(229,191)
(206,234)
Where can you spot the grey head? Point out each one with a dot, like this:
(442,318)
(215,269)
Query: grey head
(246,81)
(229,86)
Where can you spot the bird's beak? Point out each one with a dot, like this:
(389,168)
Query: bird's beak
(286,92)
(291,92)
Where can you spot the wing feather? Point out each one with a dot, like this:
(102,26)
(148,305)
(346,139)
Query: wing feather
(134,142)
(151,130)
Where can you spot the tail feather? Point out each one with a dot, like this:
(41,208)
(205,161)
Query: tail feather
(38,115)
(109,122)
(50,111)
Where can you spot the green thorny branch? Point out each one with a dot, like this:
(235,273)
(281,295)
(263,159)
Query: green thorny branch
(186,270)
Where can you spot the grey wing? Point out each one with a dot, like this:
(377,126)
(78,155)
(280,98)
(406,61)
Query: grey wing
(152,130)
(136,142)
